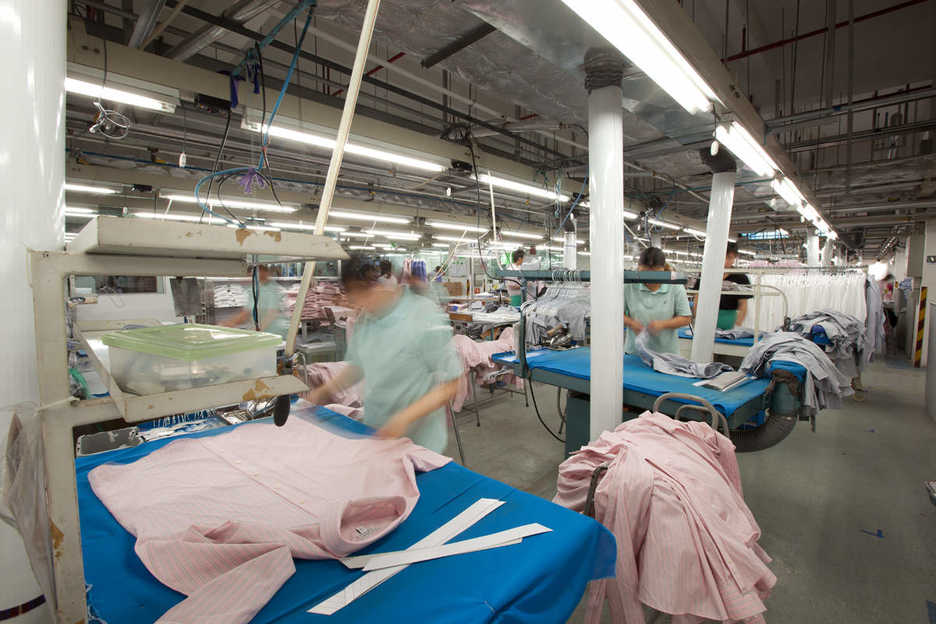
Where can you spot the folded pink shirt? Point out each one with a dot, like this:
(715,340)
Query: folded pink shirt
(220,518)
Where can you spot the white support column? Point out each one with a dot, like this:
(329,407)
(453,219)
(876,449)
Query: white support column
(32,174)
(606,231)
(812,249)
(827,251)
(569,254)
(713,264)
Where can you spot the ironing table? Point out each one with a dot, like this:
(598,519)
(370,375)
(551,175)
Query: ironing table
(571,369)
(723,346)
(541,579)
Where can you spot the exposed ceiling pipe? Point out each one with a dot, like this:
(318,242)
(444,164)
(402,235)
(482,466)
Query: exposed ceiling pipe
(472,36)
(163,25)
(808,118)
(145,23)
(864,135)
(242,12)
(520,126)
(820,31)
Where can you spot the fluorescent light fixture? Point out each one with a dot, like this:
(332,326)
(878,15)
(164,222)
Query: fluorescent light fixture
(625,25)
(94,190)
(360,247)
(286,225)
(392,234)
(526,235)
(665,224)
(520,187)
(584,253)
(809,212)
(630,216)
(732,240)
(694,232)
(833,234)
(76,211)
(188,218)
(785,188)
(351,147)
(559,239)
(746,252)
(100,92)
(740,143)
(259,228)
(383,245)
(446,245)
(237,204)
(368,216)
(448,225)
(455,239)
(503,245)
(356,235)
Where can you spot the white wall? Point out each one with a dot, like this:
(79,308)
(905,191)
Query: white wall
(32,174)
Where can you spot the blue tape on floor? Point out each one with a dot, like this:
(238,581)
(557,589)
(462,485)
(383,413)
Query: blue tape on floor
(879,533)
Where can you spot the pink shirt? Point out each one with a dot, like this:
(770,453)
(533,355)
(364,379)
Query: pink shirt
(220,518)
(687,542)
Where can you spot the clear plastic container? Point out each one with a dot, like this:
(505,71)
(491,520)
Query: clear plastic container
(176,357)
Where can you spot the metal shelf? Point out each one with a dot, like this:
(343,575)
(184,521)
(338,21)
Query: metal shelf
(139,237)
(137,408)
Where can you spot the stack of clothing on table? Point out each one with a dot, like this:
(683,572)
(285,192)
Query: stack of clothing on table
(349,401)
(734,334)
(825,384)
(841,335)
(230,295)
(476,356)
(686,540)
(320,295)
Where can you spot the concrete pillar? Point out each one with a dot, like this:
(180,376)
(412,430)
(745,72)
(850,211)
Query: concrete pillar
(569,252)
(603,72)
(827,252)
(812,249)
(713,264)
(32,176)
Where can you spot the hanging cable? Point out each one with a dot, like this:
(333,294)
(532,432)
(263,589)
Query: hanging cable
(536,407)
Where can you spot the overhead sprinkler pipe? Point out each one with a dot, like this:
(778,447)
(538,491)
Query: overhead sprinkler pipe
(331,179)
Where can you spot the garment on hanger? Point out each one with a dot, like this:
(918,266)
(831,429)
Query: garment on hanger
(672,364)
(874,334)
(825,384)
(807,291)
(217,513)
(686,540)
(566,303)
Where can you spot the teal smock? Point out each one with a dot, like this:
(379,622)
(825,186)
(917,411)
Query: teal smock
(272,301)
(645,305)
(404,353)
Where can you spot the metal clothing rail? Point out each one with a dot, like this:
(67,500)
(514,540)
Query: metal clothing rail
(630,277)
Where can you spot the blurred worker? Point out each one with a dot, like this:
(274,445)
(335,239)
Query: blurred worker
(437,273)
(732,309)
(386,274)
(660,309)
(402,348)
(272,312)
(515,286)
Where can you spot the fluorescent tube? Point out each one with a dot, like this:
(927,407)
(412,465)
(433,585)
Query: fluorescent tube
(94,190)
(785,188)
(97,91)
(237,204)
(447,225)
(625,25)
(368,216)
(739,142)
(694,232)
(286,225)
(455,239)
(559,239)
(520,187)
(665,224)
(526,235)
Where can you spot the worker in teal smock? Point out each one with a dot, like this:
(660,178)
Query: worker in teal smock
(272,313)
(659,309)
(401,346)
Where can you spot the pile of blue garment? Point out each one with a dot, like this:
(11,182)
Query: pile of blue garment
(825,383)
(841,335)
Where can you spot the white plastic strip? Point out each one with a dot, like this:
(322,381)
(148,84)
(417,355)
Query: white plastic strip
(485,542)
(467,518)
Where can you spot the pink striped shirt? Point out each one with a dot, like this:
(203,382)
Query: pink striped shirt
(220,518)
(687,542)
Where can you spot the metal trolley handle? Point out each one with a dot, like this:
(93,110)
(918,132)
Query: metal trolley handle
(718,420)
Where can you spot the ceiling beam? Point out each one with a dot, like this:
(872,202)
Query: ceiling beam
(146,23)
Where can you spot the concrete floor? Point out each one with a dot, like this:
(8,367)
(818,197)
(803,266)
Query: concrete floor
(820,498)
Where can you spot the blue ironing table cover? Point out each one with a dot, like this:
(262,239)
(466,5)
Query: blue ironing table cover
(638,377)
(541,579)
(686,333)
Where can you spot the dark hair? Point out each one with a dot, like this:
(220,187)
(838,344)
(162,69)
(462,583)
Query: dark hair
(357,268)
(731,248)
(385,267)
(517,255)
(652,257)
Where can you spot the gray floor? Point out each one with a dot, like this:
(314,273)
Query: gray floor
(820,498)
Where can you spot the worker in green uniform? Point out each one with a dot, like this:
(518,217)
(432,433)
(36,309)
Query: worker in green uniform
(401,346)
(659,309)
